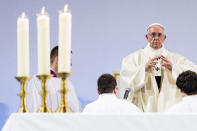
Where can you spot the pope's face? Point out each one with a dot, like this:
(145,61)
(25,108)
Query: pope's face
(156,36)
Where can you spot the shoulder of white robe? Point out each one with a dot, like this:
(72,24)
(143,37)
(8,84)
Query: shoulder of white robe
(134,54)
(175,55)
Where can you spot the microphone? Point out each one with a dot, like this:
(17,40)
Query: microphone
(126,94)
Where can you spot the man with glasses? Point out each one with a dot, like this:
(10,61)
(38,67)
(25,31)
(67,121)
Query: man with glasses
(151,73)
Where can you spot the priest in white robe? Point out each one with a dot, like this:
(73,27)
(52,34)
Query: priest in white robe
(33,99)
(187,83)
(151,73)
(108,103)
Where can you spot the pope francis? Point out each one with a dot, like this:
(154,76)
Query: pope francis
(151,73)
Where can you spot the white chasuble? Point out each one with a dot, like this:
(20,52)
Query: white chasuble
(144,89)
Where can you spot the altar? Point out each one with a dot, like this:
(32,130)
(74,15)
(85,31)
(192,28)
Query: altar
(94,122)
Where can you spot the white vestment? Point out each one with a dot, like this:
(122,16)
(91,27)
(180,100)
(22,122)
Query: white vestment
(108,103)
(144,89)
(187,105)
(33,100)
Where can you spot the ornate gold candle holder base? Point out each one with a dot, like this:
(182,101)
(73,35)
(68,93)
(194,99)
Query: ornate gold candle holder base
(63,105)
(44,106)
(23,80)
(63,109)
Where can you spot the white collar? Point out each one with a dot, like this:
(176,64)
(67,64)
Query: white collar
(158,51)
(190,97)
(107,95)
(153,53)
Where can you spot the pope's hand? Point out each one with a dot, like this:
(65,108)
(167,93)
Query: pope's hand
(151,63)
(166,63)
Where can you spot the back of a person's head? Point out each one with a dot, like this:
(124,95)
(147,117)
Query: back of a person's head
(53,54)
(187,82)
(106,83)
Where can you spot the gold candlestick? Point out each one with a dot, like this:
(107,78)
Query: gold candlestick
(44,106)
(23,80)
(63,105)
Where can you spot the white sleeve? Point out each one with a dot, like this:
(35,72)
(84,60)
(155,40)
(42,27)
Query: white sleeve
(132,75)
(33,98)
(72,98)
(181,64)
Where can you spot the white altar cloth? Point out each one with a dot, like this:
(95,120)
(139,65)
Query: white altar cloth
(87,122)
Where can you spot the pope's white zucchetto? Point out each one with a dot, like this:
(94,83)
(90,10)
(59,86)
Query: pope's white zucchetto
(155,24)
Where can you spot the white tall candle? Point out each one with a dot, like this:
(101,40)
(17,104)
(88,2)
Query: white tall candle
(43,43)
(64,53)
(23,46)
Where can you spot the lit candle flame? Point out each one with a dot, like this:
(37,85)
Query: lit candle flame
(43,11)
(23,15)
(66,8)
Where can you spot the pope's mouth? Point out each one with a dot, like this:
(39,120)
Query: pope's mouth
(156,42)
